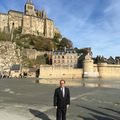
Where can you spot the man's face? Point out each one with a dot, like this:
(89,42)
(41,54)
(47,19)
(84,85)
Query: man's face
(62,83)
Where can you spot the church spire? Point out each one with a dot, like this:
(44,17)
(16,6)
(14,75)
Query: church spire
(29,8)
(29,1)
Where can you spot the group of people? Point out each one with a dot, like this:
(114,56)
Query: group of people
(3,75)
(7,75)
(23,75)
(61,100)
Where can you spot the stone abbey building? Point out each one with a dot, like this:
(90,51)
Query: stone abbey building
(31,21)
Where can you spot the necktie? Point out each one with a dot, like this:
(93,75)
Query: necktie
(63,92)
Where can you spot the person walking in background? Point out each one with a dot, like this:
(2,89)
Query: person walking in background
(61,100)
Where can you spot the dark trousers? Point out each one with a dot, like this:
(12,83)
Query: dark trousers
(61,114)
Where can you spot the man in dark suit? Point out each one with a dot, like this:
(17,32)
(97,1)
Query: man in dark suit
(61,100)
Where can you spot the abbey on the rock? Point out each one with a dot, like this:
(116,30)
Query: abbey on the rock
(31,21)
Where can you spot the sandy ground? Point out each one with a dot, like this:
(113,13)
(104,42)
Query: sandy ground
(10,116)
(24,112)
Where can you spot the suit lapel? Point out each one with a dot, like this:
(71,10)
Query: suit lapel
(65,93)
(60,92)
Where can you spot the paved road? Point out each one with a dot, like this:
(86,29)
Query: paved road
(23,99)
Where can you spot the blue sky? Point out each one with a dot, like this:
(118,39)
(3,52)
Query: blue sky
(88,23)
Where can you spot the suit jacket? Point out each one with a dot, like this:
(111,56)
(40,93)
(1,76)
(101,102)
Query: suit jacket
(59,100)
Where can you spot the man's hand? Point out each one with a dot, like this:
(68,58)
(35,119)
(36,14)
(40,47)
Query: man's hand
(55,107)
(68,106)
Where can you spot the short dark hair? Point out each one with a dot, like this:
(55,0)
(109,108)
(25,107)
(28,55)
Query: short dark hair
(62,80)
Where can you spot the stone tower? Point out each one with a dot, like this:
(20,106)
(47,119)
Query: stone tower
(88,66)
(29,8)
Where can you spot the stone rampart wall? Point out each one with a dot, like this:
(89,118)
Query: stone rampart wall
(101,70)
(60,72)
(109,71)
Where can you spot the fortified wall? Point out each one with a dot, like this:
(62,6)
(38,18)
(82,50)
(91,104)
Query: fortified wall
(102,70)
(48,71)
(109,70)
(89,70)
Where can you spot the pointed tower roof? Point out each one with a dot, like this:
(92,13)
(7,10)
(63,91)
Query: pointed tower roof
(29,2)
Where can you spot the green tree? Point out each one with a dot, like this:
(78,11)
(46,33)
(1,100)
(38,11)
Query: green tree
(66,43)
(16,33)
(40,60)
(81,51)
(4,36)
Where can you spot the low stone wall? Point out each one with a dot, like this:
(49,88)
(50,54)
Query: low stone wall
(109,71)
(47,71)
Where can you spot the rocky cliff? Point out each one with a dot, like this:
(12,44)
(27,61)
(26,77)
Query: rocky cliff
(9,55)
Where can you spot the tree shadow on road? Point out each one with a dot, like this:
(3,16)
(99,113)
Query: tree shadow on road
(39,114)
